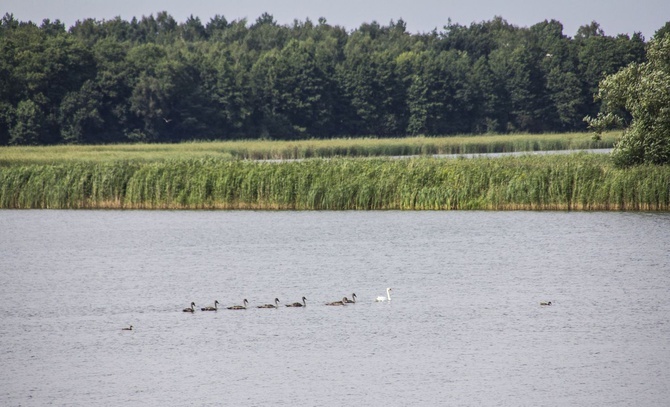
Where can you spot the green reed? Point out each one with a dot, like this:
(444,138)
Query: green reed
(264,150)
(560,182)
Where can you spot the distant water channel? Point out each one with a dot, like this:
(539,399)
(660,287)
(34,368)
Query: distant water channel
(464,327)
(522,153)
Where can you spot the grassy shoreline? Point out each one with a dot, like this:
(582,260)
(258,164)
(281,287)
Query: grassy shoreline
(278,150)
(560,182)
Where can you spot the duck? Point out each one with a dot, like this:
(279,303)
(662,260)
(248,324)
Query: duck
(240,306)
(343,302)
(130,328)
(546,303)
(214,308)
(276,304)
(381,298)
(191,309)
(298,304)
(352,300)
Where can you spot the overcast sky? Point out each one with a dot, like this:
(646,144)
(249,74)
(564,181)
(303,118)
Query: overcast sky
(614,16)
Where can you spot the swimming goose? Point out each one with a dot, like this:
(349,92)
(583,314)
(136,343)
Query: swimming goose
(381,298)
(297,304)
(276,304)
(545,303)
(191,309)
(240,306)
(343,302)
(214,308)
(353,300)
(130,328)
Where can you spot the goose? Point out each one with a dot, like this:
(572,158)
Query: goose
(298,304)
(545,303)
(130,328)
(214,308)
(343,302)
(191,309)
(352,300)
(240,306)
(381,298)
(276,304)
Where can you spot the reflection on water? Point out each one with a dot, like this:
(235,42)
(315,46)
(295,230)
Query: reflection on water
(464,327)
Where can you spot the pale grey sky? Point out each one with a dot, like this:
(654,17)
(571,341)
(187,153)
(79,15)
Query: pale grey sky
(614,16)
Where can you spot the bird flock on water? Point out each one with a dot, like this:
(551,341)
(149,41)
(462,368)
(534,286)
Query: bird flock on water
(275,304)
(303,303)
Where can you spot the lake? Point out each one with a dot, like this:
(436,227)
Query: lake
(464,327)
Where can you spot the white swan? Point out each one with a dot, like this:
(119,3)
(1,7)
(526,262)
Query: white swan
(352,300)
(381,298)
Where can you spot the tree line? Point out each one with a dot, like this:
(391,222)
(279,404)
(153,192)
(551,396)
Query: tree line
(156,80)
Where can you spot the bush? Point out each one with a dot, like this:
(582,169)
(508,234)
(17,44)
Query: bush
(642,91)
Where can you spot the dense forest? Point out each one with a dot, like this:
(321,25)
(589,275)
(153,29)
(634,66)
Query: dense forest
(156,80)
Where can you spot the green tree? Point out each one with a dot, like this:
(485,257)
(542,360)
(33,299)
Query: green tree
(600,55)
(372,88)
(41,65)
(265,35)
(487,98)
(79,116)
(663,31)
(28,125)
(216,26)
(565,92)
(439,98)
(643,91)
(563,96)
(293,94)
(154,79)
(113,84)
(149,97)
(223,93)
(192,29)
(520,89)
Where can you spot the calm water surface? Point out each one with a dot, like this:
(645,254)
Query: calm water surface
(464,327)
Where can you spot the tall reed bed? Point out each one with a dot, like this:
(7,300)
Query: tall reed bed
(565,182)
(264,150)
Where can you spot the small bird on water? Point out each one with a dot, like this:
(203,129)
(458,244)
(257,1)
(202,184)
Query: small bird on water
(297,304)
(343,302)
(191,308)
